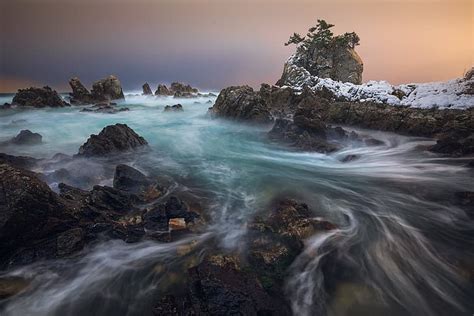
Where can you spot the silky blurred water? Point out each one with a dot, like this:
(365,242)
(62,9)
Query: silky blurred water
(397,224)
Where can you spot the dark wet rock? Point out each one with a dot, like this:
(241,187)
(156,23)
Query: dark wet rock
(107,89)
(162,90)
(209,102)
(38,98)
(159,216)
(146,89)
(26,137)
(349,158)
(70,241)
(112,139)
(374,142)
(23,162)
(105,107)
(220,286)
(6,106)
(277,238)
(12,285)
(29,210)
(131,180)
(173,108)
(80,95)
(241,103)
(470,164)
(454,144)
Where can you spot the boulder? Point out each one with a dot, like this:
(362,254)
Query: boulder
(146,89)
(29,210)
(241,103)
(111,140)
(80,95)
(162,90)
(107,89)
(173,108)
(174,211)
(38,98)
(26,137)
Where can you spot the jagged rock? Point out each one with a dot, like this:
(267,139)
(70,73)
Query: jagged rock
(147,89)
(80,94)
(107,89)
(241,103)
(454,143)
(162,90)
(112,139)
(174,108)
(26,137)
(38,98)
(181,88)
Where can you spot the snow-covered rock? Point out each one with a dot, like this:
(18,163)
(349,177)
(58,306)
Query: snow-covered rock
(456,93)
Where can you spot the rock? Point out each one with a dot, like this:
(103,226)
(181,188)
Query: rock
(220,286)
(23,162)
(333,58)
(174,108)
(107,89)
(374,142)
(29,210)
(177,224)
(105,107)
(112,139)
(70,241)
(38,98)
(306,132)
(131,180)
(241,103)
(146,89)
(80,94)
(162,90)
(12,285)
(26,137)
(160,215)
(276,239)
(454,143)
(349,158)
(181,88)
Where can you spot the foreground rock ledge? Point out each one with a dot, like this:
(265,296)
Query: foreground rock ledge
(112,139)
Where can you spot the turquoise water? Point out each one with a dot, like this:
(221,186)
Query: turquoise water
(392,206)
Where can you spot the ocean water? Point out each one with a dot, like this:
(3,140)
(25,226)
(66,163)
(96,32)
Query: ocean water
(398,228)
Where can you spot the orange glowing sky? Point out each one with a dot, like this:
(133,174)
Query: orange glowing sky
(213,44)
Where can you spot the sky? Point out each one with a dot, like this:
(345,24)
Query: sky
(212,44)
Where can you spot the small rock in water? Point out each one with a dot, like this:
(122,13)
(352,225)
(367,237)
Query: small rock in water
(349,158)
(26,137)
(174,108)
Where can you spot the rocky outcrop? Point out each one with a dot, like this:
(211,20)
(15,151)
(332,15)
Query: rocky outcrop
(105,107)
(146,89)
(107,89)
(79,95)
(241,103)
(111,140)
(23,162)
(38,98)
(162,90)
(178,90)
(173,108)
(325,56)
(26,137)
